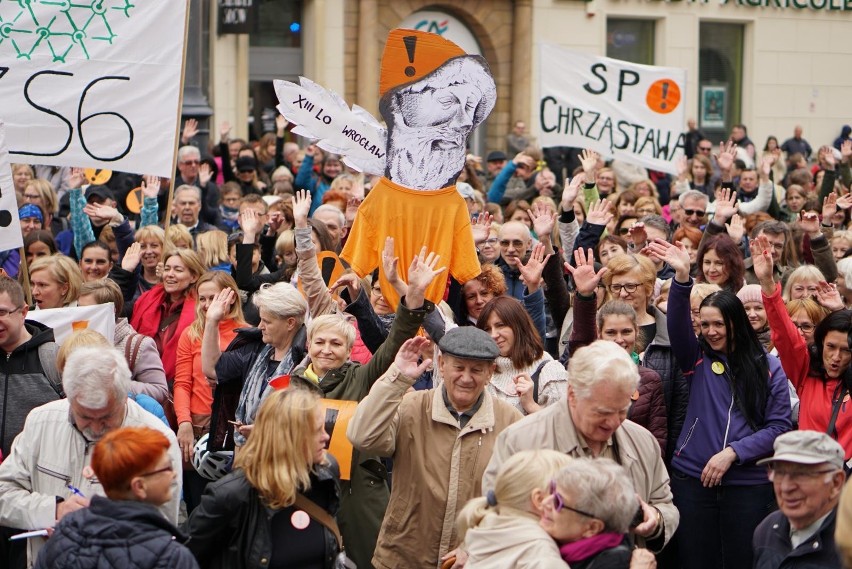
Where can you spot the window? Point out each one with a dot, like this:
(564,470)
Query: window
(279,24)
(720,75)
(630,40)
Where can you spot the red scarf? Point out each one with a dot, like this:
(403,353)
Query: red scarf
(146,320)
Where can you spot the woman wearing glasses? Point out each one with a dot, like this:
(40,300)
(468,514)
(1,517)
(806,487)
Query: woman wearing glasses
(738,405)
(820,372)
(125,529)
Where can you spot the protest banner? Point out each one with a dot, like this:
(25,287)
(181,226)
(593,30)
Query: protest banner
(66,321)
(93,83)
(10,225)
(623,110)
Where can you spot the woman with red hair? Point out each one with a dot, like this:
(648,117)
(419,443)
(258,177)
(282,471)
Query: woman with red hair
(125,529)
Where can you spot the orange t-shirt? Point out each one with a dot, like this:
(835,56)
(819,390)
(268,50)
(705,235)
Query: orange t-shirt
(192,393)
(436,218)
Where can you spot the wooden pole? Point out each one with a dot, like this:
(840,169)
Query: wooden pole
(24,271)
(178,122)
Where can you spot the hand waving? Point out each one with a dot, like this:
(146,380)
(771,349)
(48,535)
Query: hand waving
(301,208)
(221,305)
(809,222)
(205,174)
(736,229)
(408,355)
(190,130)
(481,227)
(599,212)
(675,254)
(151,186)
(829,297)
(726,205)
(422,271)
(589,160)
(132,257)
(544,219)
(585,278)
(726,156)
(761,255)
(570,193)
(531,272)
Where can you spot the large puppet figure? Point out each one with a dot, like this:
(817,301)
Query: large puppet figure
(432,97)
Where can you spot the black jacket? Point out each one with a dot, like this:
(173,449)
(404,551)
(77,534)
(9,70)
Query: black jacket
(230,529)
(774,550)
(116,534)
(24,383)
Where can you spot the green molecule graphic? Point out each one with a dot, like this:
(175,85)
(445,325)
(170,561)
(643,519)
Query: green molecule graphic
(58,27)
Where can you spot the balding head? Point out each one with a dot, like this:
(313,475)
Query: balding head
(515,241)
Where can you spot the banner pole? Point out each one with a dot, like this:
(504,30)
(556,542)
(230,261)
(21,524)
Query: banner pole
(24,271)
(168,220)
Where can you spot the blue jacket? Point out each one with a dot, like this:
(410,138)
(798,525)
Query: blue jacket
(713,421)
(314,183)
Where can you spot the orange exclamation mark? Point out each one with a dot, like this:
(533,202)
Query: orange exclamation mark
(410,43)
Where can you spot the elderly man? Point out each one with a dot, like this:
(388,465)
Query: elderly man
(191,173)
(806,471)
(440,441)
(335,222)
(601,381)
(693,208)
(47,474)
(187,209)
(515,241)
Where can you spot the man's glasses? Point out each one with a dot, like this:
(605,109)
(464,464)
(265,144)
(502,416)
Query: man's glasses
(796,476)
(559,502)
(629,287)
(192,162)
(695,212)
(705,148)
(4,312)
(516,243)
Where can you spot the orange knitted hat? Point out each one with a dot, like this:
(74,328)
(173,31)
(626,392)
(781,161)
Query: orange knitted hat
(410,55)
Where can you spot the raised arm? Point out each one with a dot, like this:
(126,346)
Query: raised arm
(586,282)
(210,352)
(316,291)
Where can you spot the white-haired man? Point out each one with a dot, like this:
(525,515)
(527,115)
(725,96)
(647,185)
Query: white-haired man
(192,173)
(47,475)
(601,380)
(335,222)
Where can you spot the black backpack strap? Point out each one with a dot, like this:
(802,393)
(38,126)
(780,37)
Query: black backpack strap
(835,410)
(534,378)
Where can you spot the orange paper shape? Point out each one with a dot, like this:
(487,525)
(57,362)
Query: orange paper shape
(134,200)
(97,176)
(411,55)
(280,383)
(337,417)
(79,325)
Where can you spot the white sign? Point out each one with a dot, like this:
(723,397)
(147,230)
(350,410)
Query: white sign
(10,225)
(93,84)
(66,321)
(632,112)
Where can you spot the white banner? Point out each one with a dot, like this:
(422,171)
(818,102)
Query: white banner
(66,321)
(93,84)
(632,112)
(10,224)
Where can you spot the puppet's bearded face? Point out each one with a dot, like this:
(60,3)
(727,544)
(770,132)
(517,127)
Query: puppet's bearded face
(431,120)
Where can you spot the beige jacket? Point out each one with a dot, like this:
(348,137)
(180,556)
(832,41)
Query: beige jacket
(48,455)
(639,452)
(437,466)
(514,541)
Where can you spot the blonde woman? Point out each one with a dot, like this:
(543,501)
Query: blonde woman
(212,246)
(502,529)
(802,283)
(137,273)
(56,282)
(193,395)
(264,512)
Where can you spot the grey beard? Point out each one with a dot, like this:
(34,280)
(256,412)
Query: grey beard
(412,162)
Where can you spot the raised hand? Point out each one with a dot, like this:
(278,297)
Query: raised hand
(736,229)
(151,186)
(809,222)
(766,166)
(844,202)
(481,227)
(280,125)
(829,207)
(826,156)
(274,220)
(828,296)
(351,282)
(585,278)
(132,257)
(101,214)
(190,130)
(251,224)
(225,132)
(408,356)
(543,220)
(681,164)
(76,178)
(761,255)
(221,305)
(422,271)
(589,161)
(638,235)
(726,205)
(205,174)
(352,206)
(726,156)
(599,212)
(570,193)
(675,254)
(390,262)
(846,150)
(531,272)
(301,207)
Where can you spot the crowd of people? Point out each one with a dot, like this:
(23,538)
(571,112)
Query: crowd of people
(650,370)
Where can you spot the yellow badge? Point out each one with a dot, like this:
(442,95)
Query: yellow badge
(718,368)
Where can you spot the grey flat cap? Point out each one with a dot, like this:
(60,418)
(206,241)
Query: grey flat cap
(806,447)
(470,343)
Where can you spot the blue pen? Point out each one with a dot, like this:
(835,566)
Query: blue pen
(76,491)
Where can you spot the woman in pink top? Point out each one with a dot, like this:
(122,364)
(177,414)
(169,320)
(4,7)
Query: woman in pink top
(193,393)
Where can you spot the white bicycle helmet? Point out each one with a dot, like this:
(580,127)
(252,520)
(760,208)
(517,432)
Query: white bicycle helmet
(211,465)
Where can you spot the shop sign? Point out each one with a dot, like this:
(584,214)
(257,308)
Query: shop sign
(236,16)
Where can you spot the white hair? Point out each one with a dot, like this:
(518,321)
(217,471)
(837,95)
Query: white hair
(599,362)
(602,488)
(93,375)
(341,218)
(282,300)
(844,269)
(692,194)
(187,188)
(185,152)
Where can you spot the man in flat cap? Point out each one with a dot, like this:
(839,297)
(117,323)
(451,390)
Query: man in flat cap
(440,440)
(807,474)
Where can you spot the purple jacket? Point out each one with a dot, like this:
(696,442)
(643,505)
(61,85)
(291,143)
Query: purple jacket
(713,421)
